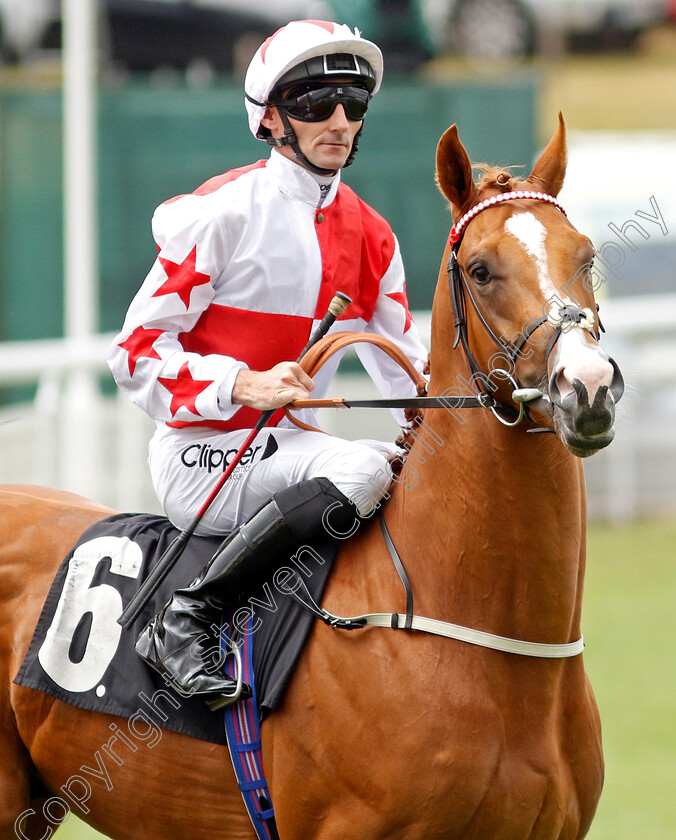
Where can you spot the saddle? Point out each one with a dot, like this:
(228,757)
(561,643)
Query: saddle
(80,655)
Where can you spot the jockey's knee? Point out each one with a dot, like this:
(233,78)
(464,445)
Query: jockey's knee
(364,478)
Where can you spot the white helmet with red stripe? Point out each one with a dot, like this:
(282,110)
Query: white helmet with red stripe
(297,42)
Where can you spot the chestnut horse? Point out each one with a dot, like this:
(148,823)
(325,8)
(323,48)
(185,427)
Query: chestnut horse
(394,734)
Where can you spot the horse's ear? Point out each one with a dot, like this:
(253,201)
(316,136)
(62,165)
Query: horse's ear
(550,168)
(454,171)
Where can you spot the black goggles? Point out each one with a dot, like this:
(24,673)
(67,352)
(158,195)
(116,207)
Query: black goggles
(319,104)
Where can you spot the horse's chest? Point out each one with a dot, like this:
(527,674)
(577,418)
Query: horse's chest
(447,765)
(477,782)
(511,769)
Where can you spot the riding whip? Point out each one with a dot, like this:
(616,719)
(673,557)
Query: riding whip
(165,564)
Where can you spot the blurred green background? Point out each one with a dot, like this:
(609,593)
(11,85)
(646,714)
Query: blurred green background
(179,140)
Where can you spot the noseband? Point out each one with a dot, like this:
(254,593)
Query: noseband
(569,316)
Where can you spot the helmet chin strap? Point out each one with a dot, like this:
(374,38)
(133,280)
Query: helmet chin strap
(290,139)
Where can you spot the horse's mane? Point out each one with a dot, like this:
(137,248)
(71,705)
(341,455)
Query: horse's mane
(497,178)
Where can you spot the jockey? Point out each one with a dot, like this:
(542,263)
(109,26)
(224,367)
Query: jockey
(247,265)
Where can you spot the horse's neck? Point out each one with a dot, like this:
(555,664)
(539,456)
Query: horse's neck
(493,520)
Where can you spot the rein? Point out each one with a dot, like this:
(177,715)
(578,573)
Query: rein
(333,343)
(326,347)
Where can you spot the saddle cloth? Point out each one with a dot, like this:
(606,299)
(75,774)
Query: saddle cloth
(80,654)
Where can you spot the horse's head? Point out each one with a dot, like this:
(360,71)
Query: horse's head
(522,295)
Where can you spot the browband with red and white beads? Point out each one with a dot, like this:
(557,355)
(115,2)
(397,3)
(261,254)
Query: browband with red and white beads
(458,228)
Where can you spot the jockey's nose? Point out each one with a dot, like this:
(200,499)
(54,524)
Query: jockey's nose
(338,120)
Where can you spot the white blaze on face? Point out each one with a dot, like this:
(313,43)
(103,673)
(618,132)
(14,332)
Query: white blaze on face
(532,234)
(575,358)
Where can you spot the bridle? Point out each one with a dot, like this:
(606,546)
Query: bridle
(569,316)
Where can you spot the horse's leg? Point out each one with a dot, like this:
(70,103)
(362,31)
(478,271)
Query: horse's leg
(142,783)
(33,822)
(19,816)
(15,776)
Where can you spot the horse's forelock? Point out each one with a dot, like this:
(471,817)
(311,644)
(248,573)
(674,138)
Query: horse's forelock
(495,178)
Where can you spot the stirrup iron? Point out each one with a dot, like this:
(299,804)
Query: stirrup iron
(224,700)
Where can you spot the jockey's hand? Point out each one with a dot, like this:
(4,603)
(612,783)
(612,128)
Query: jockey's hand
(266,389)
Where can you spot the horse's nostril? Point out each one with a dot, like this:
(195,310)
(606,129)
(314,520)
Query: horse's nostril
(561,392)
(581,391)
(600,399)
(562,384)
(553,390)
(617,382)
(583,374)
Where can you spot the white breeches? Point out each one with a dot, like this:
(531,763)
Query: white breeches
(185,467)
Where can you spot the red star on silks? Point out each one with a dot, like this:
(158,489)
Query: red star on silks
(400,297)
(184,390)
(181,277)
(140,344)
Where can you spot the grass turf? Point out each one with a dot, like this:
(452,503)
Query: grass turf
(629,624)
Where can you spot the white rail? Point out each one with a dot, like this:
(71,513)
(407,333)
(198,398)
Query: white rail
(105,457)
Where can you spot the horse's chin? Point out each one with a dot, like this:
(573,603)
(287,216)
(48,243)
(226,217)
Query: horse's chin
(544,414)
(582,428)
(581,445)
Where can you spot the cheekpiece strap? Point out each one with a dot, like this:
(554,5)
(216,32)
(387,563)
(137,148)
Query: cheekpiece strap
(458,228)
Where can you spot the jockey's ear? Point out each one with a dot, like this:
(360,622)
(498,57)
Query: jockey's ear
(454,173)
(270,118)
(550,168)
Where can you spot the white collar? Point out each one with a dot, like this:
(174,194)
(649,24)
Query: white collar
(299,183)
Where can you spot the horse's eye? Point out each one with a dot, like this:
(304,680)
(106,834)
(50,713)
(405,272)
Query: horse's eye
(479,273)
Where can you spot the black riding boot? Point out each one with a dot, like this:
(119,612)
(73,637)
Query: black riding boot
(180,642)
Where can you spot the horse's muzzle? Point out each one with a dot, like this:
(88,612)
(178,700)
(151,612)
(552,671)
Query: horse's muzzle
(584,426)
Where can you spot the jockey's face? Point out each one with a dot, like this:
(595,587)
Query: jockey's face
(325,143)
